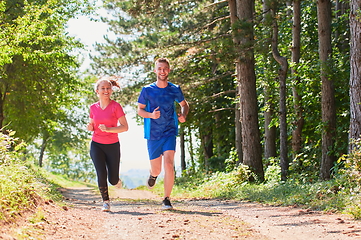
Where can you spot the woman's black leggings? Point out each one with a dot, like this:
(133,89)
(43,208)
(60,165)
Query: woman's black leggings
(106,159)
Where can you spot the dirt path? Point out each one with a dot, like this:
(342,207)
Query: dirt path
(137,215)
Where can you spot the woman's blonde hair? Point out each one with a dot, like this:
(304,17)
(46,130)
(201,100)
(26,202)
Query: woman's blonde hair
(111,80)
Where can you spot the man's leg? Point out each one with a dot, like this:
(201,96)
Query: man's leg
(155,169)
(156,166)
(168,172)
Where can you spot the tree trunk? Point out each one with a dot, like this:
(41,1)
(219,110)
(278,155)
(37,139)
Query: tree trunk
(242,15)
(342,37)
(238,129)
(207,149)
(182,149)
(297,98)
(218,139)
(4,87)
(191,150)
(355,74)
(2,100)
(282,79)
(238,125)
(270,149)
(42,149)
(327,91)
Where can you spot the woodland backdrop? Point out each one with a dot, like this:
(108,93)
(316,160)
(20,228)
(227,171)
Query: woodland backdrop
(268,82)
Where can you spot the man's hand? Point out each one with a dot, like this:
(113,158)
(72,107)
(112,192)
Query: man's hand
(156,113)
(181,118)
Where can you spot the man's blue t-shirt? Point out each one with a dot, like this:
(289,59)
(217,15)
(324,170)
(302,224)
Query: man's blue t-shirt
(152,96)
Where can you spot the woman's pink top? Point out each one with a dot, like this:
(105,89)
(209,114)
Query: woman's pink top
(109,117)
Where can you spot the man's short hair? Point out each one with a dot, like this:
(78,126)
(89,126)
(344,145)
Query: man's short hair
(164,60)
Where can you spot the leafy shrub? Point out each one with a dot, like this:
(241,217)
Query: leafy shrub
(350,178)
(9,147)
(352,164)
(232,161)
(191,179)
(216,164)
(224,185)
(18,185)
(273,171)
(305,166)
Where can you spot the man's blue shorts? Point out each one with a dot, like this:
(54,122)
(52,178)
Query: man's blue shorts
(157,147)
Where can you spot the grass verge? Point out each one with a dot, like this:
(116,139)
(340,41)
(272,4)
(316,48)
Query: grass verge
(332,196)
(24,187)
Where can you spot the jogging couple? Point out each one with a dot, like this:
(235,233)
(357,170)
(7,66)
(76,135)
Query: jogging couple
(156,106)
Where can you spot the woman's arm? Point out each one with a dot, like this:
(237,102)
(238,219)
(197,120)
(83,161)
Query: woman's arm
(90,125)
(123,127)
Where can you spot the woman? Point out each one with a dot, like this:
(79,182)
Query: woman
(107,119)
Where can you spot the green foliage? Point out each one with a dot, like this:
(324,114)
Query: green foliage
(197,37)
(232,161)
(19,188)
(304,167)
(333,195)
(273,171)
(191,180)
(352,165)
(38,85)
(23,185)
(38,78)
(348,174)
(9,147)
(217,185)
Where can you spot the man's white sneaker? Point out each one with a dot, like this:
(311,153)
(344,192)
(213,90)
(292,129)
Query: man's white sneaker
(166,204)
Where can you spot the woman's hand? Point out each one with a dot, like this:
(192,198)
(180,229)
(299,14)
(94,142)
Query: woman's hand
(103,128)
(90,127)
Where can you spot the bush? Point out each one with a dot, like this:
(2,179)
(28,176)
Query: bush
(349,178)
(9,147)
(352,164)
(273,171)
(224,185)
(18,186)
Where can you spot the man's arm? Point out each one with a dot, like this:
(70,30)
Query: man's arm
(184,111)
(141,112)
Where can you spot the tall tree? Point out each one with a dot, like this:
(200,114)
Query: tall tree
(355,74)
(242,13)
(268,89)
(238,131)
(328,107)
(297,96)
(282,76)
(38,82)
(37,79)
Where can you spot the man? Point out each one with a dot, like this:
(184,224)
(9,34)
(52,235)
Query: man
(156,106)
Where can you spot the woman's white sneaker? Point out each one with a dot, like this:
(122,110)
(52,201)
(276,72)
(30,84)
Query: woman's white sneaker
(106,206)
